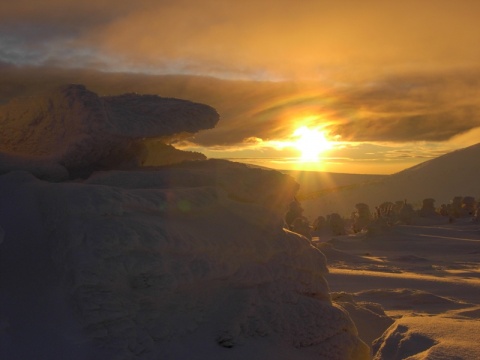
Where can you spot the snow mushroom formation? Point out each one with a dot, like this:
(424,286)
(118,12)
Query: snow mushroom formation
(75,128)
(186,261)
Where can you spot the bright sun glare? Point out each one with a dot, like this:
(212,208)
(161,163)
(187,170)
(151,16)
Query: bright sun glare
(311,143)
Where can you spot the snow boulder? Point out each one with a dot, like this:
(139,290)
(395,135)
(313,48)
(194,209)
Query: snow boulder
(199,270)
(82,131)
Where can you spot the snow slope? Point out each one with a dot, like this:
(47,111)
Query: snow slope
(421,282)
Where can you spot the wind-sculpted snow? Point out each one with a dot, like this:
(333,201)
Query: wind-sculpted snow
(78,129)
(196,270)
(37,166)
(417,337)
(268,188)
(133,115)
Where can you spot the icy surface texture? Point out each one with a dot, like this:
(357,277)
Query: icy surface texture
(197,269)
(75,128)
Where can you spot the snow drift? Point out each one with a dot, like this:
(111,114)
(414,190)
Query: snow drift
(421,281)
(417,337)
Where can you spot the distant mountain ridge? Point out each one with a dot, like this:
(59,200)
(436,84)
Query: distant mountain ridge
(460,159)
(442,178)
(316,183)
(455,173)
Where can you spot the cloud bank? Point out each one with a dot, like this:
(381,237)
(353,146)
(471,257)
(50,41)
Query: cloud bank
(378,72)
(334,41)
(399,109)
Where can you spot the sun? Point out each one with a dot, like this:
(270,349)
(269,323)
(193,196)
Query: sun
(311,143)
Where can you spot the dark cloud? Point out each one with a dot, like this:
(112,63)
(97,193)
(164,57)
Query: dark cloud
(428,127)
(419,107)
(66,13)
(410,108)
(437,107)
(36,33)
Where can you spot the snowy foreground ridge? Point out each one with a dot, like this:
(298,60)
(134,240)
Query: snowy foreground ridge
(152,272)
(186,261)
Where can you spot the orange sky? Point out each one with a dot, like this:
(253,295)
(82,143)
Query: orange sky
(394,83)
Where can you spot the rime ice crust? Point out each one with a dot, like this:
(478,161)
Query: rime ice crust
(134,115)
(267,188)
(195,271)
(151,267)
(76,128)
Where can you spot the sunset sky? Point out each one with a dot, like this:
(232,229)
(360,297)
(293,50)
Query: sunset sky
(381,85)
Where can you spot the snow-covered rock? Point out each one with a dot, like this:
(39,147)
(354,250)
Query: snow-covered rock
(188,260)
(187,263)
(82,131)
(41,168)
(242,183)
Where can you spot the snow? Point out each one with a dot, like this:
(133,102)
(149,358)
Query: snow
(75,128)
(425,279)
(412,290)
(185,261)
(191,261)
(416,337)
(142,270)
(39,167)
